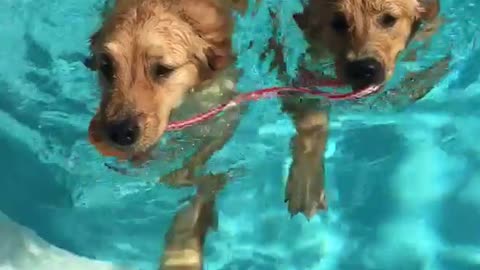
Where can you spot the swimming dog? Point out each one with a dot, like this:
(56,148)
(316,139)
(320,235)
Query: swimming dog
(364,38)
(158,61)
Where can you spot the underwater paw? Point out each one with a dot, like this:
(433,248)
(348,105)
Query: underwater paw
(178,178)
(305,194)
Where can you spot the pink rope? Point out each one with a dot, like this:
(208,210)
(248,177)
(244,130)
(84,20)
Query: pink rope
(274,92)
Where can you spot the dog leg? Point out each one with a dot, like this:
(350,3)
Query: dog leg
(416,85)
(186,236)
(184,175)
(305,187)
(421,83)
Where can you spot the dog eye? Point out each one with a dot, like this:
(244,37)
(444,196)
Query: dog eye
(387,20)
(339,23)
(160,71)
(106,67)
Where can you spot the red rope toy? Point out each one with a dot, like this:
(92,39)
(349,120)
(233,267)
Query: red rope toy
(275,92)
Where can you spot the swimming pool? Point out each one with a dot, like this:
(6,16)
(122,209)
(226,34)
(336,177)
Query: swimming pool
(403,186)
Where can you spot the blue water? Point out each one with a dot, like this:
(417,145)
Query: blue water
(403,186)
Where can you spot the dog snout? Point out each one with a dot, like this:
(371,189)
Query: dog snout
(124,132)
(365,72)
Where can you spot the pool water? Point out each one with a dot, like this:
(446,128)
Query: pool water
(403,186)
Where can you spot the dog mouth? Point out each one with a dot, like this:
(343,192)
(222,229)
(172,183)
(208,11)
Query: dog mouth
(356,87)
(359,75)
(99,139)
(309,78)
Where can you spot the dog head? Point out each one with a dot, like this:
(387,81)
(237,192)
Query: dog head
(365,36)
(148,54)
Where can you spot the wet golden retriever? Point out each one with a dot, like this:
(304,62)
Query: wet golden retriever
(157,61)
(365,39)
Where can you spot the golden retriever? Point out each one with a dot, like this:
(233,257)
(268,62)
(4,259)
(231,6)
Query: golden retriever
(157,61)
(364,38)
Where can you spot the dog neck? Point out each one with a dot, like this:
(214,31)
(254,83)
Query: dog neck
(220,81)
(218,90)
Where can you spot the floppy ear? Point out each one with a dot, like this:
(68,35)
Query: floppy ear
(428,10)
(213,60)
(89,61)
(219,57)
(213,22)
(426,18)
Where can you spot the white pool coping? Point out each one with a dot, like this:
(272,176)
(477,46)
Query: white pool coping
(22,249)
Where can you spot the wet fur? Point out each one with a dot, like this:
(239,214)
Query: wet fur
(139,34)
(367,34)
(191,40)
(305,187)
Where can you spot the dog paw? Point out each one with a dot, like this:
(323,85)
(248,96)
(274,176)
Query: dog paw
(178,178)
(305,191)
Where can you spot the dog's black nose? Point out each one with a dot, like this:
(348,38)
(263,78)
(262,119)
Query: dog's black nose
(365,72)
(124,132)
